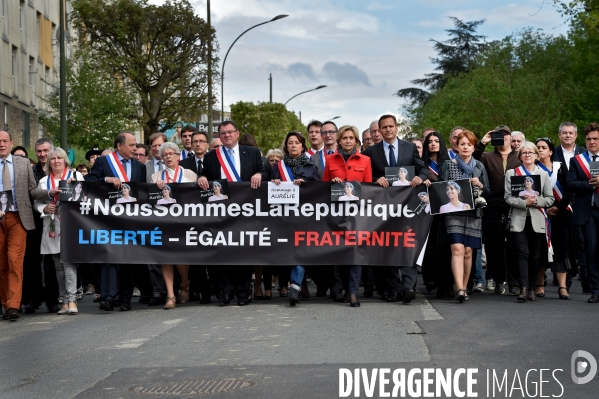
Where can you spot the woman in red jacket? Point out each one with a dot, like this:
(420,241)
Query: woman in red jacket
(347,164)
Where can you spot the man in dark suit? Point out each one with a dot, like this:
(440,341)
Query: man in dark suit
(134,171)
(392,152)
(16,178)
(240,163)
(328,132)
(586,205)
(198,277)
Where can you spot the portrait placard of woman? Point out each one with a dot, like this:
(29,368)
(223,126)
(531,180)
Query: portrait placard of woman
(217,190)
(166,196)
(403,178)
(350,192)
(126,195)
(454,194)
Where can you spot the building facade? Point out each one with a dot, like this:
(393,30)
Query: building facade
(29,63)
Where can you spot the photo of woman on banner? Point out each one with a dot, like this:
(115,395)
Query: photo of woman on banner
(78,194)
(125,195)
(218,195)
(166,196)
(420,204)
(403,178)
(454,194)
(349,191)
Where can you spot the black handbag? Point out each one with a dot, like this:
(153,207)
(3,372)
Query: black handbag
(505,222)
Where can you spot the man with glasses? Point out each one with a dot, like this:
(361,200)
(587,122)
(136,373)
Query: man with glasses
(315,137)
(328,131)
(141,153)
(235,163)
(586,208)
(199,146)
(366,139)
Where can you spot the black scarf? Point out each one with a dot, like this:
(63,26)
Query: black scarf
(295,163)
(346,155)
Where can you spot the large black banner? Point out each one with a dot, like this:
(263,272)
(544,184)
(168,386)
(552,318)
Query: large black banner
(244,229)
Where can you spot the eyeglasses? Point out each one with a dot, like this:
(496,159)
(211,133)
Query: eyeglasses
(140,155)
(365,140)
(328,132)
(528,154)
(227,133)
(169,154)
(196,142)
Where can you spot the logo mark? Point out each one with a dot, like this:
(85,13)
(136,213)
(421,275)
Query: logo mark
(579,366)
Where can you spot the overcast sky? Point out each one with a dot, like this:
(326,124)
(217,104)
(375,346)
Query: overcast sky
(363,50)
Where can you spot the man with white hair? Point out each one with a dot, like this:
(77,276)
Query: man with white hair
(517,140)
(374,132)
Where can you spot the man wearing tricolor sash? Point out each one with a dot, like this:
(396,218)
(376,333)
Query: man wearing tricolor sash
(117,168)
(235,163)
(586,206)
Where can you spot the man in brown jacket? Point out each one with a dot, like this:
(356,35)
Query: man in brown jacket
(16,178)
(502,158)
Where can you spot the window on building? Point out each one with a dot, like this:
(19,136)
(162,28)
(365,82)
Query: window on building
(32,71)
(22,10)
(37,26)
(15,65)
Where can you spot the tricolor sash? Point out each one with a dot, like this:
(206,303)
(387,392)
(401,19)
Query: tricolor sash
(177,175)
(558,191)
(285,171)
(66,175)
(118,170)
(522,171)
(451,153)
(583,160)
(433,167)
(311,152)
(227,164)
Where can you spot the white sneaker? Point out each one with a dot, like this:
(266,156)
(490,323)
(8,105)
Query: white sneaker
(478,287)
(490,284)
(136,292)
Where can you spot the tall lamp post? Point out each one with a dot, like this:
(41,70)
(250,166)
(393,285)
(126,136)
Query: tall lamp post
(222,72)
(307,91)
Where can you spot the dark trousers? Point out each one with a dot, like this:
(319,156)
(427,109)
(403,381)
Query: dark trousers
(198,280)
(141,276)
(158,285)
(367,278)
(590,230)
(494,239)
(340,281)
(233,279)
(527,244)
(354,272)
(580,247)
(116,278)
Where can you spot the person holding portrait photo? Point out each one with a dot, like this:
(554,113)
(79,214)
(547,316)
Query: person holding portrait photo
(349,191)
(5,203)
(403,178)
(529,188)
(463,228)
(78,194)
(217,189)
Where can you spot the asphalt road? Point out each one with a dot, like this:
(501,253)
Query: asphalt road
(269,349)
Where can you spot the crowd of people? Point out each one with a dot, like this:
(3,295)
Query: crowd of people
(551,224)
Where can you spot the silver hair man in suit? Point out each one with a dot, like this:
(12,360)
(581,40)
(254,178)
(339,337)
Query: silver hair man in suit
(17,177)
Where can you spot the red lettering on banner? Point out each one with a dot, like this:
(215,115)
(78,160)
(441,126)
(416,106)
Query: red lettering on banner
(353,238)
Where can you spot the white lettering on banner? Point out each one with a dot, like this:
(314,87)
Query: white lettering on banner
(228,238)
(363,208)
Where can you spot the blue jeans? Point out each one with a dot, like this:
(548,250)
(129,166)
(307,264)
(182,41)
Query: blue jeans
(296,277)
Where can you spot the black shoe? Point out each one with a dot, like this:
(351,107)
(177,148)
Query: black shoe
(408,296)
(157,300)
(594,299)
(430,286)
(353,301)
(145,299)
(294,297)
(224,300)
(30,308)
(106,305)
(205,300)
(53,308)
(393,297)
(5,315)
(559,292)
(368,293)
(243,302)
(194,297)
(125,306)
(13,314)
(321,293)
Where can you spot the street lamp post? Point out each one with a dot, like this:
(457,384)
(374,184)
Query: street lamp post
(222,72)
(307,91)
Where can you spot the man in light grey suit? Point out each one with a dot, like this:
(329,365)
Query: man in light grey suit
(154,164)
(16,176)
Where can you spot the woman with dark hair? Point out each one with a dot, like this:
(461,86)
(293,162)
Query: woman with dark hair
(464,228)
(347,164)
(296,168)
(454,193)
(558,213)
(436,255)
(528,220)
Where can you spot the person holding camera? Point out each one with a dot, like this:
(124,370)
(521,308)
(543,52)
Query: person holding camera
(496,163)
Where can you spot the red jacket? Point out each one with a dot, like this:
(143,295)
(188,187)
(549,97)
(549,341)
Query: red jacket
(357,168)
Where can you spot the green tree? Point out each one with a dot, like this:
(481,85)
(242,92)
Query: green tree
(267,122)
(455,57)
(98,105)
(161,51)
(524,81)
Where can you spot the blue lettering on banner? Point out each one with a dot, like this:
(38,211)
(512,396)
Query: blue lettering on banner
(121,237)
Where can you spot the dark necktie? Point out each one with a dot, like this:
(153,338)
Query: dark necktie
(392,161)
(6,177)
(595,193)
(160,166)
(124,162)
(190,154)
(200,165)
(329,152)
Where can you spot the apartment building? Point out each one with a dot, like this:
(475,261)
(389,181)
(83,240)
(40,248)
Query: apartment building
(29,63)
